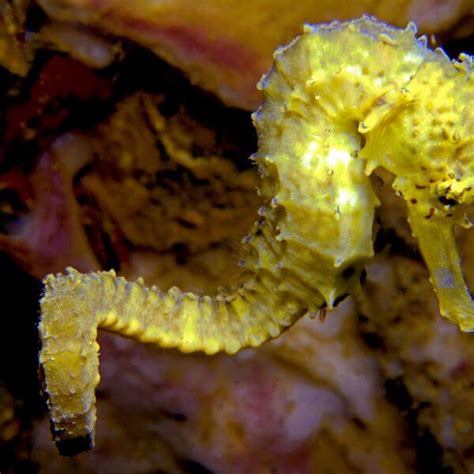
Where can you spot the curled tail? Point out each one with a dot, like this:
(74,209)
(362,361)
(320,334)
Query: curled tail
(341,100)
(75,306)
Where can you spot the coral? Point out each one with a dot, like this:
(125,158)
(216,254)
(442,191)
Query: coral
(49,233)
(167,181)
(332,115)
(15,50)
(427,362)
(227,57)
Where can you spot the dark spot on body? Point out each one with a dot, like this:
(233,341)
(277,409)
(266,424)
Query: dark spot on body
(430,213)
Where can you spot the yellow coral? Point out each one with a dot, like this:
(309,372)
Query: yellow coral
(341,100)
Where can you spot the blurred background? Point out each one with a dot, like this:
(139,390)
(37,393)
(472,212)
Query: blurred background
(125,136)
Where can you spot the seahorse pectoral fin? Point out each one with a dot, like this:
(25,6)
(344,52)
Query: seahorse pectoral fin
(69,363)
(438,246)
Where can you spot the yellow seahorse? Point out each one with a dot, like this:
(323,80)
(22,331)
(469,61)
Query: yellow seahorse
(341,100)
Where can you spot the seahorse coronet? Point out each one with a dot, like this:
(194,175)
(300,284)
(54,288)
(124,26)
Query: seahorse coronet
(341,101)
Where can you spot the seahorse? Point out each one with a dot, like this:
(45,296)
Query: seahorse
(341,101)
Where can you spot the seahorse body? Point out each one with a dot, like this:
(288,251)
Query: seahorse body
(341,100)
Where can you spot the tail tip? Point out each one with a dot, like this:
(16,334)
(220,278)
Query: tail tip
(74,446)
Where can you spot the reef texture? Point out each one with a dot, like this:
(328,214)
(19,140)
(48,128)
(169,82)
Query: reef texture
(15,50)
(427,362)
(225,56)
(330,118)
(49,232)
(168,181)
(174,182)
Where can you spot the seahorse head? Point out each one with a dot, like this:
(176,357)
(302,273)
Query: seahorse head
(423,133)
(366,91)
